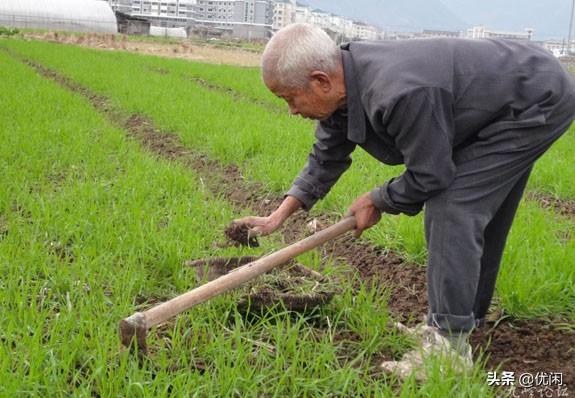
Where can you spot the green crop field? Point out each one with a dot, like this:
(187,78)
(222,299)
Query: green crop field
(94,227)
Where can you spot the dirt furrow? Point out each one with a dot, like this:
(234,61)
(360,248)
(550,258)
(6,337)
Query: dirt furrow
(223,90)
(514,343)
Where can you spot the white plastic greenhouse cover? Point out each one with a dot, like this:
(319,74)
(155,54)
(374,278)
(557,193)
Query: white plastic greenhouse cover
(168,32)
(70,15)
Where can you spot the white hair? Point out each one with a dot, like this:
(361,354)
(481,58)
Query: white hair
(297,50)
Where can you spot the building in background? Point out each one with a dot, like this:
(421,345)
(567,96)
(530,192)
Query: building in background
(252,19)
(428,33)
(362,31)
(131,25)
(245,19)
(559,48)
(302,13)
(123,6)
(481,32)
(477,32)
(212,17)
(284,13)
(339,28)
(164,13)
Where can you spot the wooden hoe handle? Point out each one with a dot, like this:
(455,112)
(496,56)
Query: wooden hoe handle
(162,312)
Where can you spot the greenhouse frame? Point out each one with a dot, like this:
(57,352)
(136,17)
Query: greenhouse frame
(59,15)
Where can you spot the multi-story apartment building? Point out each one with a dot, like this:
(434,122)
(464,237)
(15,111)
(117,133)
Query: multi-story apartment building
(252,19)
(320,19)
(362,31)
(214,13)
(253,11)
(337,26)
(166,13)
(302,14)
(284,13)
(123,6)
(174,13)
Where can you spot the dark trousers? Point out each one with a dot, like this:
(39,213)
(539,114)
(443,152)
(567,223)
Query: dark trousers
(466,225)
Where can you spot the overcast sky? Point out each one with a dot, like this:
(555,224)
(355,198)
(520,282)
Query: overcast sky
(549,18)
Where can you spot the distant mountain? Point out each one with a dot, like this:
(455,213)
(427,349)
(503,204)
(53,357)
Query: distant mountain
(395,15)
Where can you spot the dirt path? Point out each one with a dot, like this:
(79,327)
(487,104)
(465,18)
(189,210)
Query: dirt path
(519,346)
(182,50)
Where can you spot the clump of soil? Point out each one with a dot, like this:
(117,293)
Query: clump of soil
(217,266)
(240,234)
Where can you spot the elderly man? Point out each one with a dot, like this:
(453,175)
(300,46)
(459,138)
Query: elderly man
(468,118)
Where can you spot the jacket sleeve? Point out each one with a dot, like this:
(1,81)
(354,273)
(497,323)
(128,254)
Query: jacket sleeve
(421,123)
(328,160)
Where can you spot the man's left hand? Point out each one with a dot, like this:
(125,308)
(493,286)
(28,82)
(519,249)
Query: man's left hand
(365,212)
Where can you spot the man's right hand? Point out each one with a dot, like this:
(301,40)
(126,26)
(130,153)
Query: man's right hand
(261,226)
(266,225)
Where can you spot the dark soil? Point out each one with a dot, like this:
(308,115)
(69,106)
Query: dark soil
(224,90)
(561,206)
(528,347)
(213,268)
(293,285)
(240,234)
(236,95)
(265,299)
(521,346)
(3,227)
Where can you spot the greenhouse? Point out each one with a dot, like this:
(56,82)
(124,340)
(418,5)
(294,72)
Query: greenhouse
(68,15)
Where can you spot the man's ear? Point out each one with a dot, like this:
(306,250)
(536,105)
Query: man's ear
(321,80)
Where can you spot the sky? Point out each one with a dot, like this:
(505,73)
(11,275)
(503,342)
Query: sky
(549,18)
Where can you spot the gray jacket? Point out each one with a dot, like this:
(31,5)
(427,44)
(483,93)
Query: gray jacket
(424,102)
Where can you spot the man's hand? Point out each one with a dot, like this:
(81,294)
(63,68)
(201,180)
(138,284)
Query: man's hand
(266,225)
(261,226)
(365,212)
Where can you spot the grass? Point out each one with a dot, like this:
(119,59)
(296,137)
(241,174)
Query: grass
(210,121)
(94,228)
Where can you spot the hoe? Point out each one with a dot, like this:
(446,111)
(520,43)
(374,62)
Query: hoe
(134,328)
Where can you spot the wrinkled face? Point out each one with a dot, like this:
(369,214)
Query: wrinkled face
(316,101)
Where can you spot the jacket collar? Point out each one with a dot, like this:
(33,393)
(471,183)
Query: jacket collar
(355,114)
